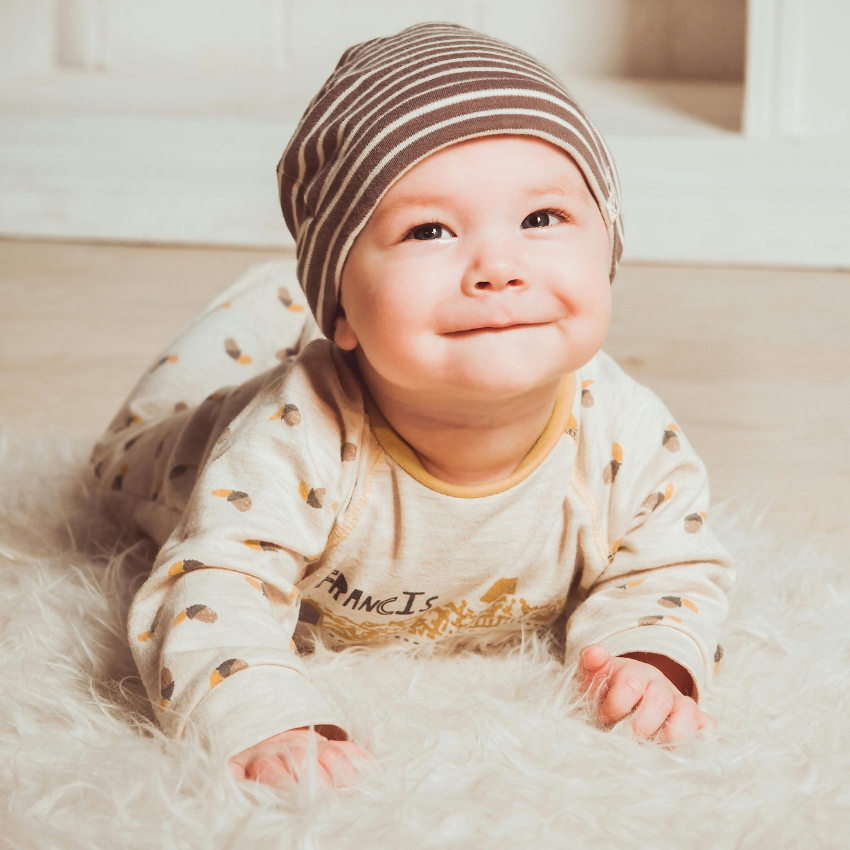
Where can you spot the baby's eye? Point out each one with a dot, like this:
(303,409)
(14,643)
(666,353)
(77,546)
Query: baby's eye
(540,218)
(430,231)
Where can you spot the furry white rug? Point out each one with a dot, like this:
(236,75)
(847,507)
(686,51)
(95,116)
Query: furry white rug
(473,750)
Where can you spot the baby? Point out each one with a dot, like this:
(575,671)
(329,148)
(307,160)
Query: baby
(455,459)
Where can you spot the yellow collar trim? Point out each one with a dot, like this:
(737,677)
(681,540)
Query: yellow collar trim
(406,458)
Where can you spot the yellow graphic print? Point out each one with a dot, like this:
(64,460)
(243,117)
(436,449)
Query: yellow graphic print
(289,413)
(503,587)
(655,499)
(185,566)
(313,496)
(146,636)
(445,620)
(286,300)
(166,687)
(348,452)
(233,350)
(241,501)
(613,467)
(201,613)
(670,440)
(225,669)
(693,522)
(718,657)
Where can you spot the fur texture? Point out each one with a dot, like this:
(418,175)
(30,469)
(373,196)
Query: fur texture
(487,749)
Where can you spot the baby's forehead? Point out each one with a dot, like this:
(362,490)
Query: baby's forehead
(524,161)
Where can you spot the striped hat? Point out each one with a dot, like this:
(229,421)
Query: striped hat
(391,102)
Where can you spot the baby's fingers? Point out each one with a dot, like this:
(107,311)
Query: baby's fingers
(270,770)
(594,667)
(653,711)
(684,722)
(340,759)
(624,693)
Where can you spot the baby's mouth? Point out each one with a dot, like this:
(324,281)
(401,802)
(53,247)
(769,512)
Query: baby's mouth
(481,329)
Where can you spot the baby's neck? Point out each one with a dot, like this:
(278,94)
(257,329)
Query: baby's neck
(466,442)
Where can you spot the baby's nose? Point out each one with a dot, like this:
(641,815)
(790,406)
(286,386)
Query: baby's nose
(486,284)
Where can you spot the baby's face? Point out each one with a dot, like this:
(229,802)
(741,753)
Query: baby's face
(483,272)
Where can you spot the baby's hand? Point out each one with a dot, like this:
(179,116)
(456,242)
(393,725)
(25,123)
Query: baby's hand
(282,760)
(623,685)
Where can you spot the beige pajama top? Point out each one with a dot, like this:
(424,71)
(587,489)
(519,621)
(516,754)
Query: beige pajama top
(309,510)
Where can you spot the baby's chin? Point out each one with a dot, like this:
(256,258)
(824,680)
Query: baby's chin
(503,372)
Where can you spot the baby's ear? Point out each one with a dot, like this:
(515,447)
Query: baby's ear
(344,335)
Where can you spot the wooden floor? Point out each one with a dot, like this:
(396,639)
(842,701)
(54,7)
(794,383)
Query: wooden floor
(755,364)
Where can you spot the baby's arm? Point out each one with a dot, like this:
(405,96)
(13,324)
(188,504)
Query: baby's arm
(645,631)
(212,628)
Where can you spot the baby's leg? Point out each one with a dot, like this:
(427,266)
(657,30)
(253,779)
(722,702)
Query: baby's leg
(147,461)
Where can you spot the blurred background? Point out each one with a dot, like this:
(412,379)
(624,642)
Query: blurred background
(139,138)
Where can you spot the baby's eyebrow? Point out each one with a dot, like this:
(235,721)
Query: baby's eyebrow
(565,190)
(406,202)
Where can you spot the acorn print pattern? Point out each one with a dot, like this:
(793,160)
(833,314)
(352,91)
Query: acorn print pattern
(677,602)
(289,413)
(118,481)
(629,585)
(572,427)
(146,636)
(655,499)
(201,613)
(670,440)
(131,442)
(285,353)
(313,496)
(718,657)
(256,583)
(179,471)
(655,619)
(263,546)
(613,467)
(180,407)
(241,501)
(170,358)
(615,547)
(233,350)
(185,566)
(693,522)
(587,399)
(166,687)
(225,669)
(348,452)
(286,300)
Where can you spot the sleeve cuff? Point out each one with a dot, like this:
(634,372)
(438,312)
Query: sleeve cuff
(258,703)
(662,640)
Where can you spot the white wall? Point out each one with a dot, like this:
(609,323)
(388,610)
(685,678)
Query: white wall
(698,39)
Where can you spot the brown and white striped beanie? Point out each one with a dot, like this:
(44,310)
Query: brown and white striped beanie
(391,102)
